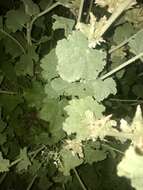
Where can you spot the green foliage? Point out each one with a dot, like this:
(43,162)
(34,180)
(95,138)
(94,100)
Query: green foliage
(58,96)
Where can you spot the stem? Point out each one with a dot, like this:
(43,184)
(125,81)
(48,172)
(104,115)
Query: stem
(15,162)
(13,39)
(112,148)
(122,66)
(123,43)
(120,100)
(89,10)
(7,92)
(80,11)
(30,25)
(31,183)
(115,15)
(34,153)
(2,178)
(79,179)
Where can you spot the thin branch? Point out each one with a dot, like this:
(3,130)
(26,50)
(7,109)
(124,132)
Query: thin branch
(80,11)
(121,66)
(13,39)
(123,43)
(79,179)
(30,25)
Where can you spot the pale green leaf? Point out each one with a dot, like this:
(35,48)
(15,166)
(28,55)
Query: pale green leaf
(4,164)
(75,122)
(71,58)
(102,89)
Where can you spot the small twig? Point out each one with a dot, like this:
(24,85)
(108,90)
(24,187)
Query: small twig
(13,39)
(30,25)
(79,179)
(121,66)
(80,11)
(123,43)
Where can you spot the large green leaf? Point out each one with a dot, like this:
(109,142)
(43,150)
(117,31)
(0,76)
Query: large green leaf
(76,60)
